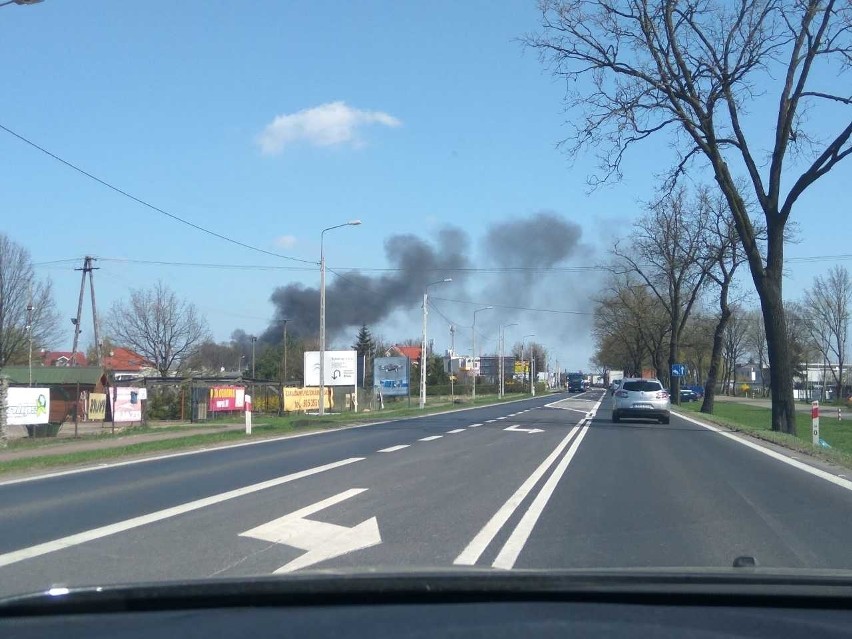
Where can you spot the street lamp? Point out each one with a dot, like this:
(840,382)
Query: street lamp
(523,339)
(322,311)
(423,347)
(502,375)
(473,345)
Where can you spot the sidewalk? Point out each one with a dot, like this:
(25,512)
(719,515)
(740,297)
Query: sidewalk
(119,441)
(801,407)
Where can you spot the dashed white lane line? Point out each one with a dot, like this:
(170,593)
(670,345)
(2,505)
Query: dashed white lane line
(474,425)
(504,417)
(430,439)
(490,421)
(457,430)
(160,515)
(393,449)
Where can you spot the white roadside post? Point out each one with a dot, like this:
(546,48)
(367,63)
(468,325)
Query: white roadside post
(815,422)
(248,414)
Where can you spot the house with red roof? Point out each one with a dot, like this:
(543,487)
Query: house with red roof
(411,352)
(124,362)
(63,358)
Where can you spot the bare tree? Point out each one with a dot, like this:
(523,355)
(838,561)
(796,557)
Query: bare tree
(692,69)
(667,251)
(158,325)
(733,349)
(827,318)
(26,304)
(756,343)
(726,255)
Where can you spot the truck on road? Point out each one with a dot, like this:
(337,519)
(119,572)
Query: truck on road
(576,382)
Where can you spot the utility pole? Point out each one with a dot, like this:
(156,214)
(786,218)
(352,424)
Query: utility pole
(29,333)
(423,344)
(253,342)
(86,270)
(473,345)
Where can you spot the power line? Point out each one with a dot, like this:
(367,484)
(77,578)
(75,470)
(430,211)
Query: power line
(147,204)
(238,267)
(516,308)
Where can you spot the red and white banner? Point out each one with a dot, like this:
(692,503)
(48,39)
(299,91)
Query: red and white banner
(126,404)
(224,398)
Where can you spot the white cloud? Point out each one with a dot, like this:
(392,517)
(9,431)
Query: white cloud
(328,124)
(285,241)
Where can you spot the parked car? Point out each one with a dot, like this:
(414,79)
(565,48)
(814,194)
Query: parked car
(688,395)
(644,398)
(614,386)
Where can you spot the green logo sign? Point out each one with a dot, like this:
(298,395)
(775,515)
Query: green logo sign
(41,405)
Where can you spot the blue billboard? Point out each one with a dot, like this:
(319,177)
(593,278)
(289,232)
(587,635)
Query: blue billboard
(390,376)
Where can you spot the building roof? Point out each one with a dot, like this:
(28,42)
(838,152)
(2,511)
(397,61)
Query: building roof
(119,358)
(87,375)
(411,352)
(62,358)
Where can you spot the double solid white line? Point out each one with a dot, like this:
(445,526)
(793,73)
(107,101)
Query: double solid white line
(510,551)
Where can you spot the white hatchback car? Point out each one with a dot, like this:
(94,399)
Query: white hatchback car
(644,398)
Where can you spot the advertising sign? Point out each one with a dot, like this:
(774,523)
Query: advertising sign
(96,407)
(341,368)
(224,398)
(522,367)
(28,406)
(126,405)
(390,375)
(306,398)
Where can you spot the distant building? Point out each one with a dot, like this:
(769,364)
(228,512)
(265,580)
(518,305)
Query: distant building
(125,363)
(411,352)
(63,358)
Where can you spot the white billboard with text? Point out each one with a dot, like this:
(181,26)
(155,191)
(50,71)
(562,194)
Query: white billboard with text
(341,368)
(27,406)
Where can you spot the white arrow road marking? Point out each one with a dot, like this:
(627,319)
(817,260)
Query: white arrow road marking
(160,515)
(517,428)
(429,439)
(456,430)
(393,449)
(321,540)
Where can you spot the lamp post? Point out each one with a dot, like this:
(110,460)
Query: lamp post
(502,345)
(473,346)
(523,339)
(423,346)
(322,312)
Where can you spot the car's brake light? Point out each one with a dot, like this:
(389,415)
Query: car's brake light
(622,394)
(662,394)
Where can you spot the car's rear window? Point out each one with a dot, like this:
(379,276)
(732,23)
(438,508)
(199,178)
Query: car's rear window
(642,385)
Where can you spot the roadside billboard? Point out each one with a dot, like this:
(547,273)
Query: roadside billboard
(391,376)
(27,406)
(341,368)
(225,398)
(126,403)
(306,398)
(522,367)
(95,407)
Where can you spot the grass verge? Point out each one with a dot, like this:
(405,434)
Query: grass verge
(263,427)
(756,421)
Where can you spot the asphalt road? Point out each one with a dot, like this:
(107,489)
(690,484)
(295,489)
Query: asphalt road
(548,482)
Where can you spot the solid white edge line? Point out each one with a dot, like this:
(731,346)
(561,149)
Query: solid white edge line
(393,449)
(795,463)
(430,438)
(508,555)
(269,440)
(135,522)
(473,551)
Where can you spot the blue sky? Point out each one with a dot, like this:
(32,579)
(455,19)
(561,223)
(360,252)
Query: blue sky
(445,120)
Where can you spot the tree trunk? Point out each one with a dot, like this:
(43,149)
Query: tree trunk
(780,365)
(716,357)
(674,381)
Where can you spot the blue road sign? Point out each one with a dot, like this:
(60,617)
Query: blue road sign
(678,370)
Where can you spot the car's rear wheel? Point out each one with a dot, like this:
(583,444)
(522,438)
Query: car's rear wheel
(615,417)
(665,420)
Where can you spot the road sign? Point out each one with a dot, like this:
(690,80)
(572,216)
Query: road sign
(815,422)
(678,370)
